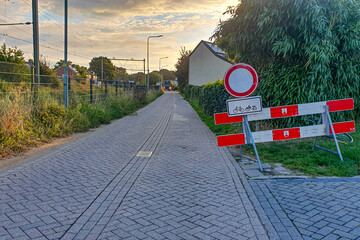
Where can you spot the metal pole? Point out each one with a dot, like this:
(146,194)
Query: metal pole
(35,17)
(333,131)
(159,73)
(148,84)
(144,72)
(252,141)
(91,87)
(65,56)
(32,77)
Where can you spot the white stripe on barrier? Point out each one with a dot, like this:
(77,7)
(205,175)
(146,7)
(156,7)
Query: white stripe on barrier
(290,111)
(285,134)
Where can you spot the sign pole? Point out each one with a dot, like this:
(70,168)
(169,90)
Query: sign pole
(248,133)
(333,131)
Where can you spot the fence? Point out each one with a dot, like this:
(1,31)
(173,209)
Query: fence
(20,79)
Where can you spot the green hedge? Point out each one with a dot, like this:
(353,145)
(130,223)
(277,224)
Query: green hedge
(211,97)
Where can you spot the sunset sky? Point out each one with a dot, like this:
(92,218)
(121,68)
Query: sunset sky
(114,28)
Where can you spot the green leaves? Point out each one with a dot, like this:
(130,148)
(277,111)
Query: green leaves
(303,51)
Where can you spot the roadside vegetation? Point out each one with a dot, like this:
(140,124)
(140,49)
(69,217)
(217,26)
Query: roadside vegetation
(293,154)
(303,52)
(25,123)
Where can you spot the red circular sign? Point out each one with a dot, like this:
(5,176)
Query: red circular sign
(241,80)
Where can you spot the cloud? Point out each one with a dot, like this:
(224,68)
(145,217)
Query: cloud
(116,8)
(119,28)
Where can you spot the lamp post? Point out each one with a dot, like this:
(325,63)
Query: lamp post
(160,71)
(147,50)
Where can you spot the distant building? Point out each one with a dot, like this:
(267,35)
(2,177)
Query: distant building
(207,63)
(60,71)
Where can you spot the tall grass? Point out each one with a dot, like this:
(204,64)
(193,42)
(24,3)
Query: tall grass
(26,121)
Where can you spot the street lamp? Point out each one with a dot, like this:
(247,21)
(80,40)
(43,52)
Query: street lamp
(160,71)
(148,58)
(11,24)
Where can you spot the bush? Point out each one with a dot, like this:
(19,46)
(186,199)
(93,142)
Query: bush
(211,97)
(25,122)
(303,51)
(76,120)
(96,114)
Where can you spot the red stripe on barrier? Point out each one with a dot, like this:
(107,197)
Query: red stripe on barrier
(285,111)
(286,134)
(223,118)
(344,127)
(230,140)
(340,105)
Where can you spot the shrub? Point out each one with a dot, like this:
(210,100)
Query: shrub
(76,120)
(303,51)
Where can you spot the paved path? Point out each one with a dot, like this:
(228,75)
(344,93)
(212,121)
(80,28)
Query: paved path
(99,188)
(326,208)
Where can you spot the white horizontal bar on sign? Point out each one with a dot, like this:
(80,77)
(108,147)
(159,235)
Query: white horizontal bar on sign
(311,108)
(313,131)
(265,114)
(289,133)
(262,137)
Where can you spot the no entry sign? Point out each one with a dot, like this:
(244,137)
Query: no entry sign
(241,80)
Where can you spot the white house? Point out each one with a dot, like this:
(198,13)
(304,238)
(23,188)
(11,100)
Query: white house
(207,63)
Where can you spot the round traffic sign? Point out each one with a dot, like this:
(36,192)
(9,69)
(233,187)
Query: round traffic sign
(241,80)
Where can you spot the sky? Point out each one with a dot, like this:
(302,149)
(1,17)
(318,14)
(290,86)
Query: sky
(114,28)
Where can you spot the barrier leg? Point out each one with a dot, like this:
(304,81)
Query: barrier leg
(333,132)
(248,133)
(241,153)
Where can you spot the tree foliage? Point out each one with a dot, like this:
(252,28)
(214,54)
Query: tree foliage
(154,77)
(304,51)
(61,63)
(182,67)
(47,74)
(108,68)
(167,74)
(12,65)
(82,72)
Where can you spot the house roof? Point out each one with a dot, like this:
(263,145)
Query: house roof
(214,49)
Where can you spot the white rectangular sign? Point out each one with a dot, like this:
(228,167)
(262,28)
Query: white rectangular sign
(244,106)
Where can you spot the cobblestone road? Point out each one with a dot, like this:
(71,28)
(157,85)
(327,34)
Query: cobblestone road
(311,209)
(99,188)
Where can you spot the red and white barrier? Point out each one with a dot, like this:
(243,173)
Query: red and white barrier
(289,133)
(289,111)
(285,134)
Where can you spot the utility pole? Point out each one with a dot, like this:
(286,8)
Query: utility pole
(144,72)
(65,55)
(35,18)
(147,51)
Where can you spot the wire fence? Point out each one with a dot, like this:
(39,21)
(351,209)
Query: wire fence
(20,79)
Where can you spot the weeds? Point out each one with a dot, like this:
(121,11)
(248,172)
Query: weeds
(24,124)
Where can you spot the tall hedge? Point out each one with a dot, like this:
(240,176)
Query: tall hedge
(211,97)
(303,50)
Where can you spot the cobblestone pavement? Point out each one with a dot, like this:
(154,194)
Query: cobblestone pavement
(326,208)
(99,187)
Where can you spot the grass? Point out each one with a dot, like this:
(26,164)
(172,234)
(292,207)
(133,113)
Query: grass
(298,154)
(25,124)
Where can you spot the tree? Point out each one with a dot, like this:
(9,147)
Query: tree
(108,68)
(121,74)
(303,51)
(13,65)
(48,75)
(82,72)
(167,74)
(61,63)
(154,77)
(137,77)
(182,68)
